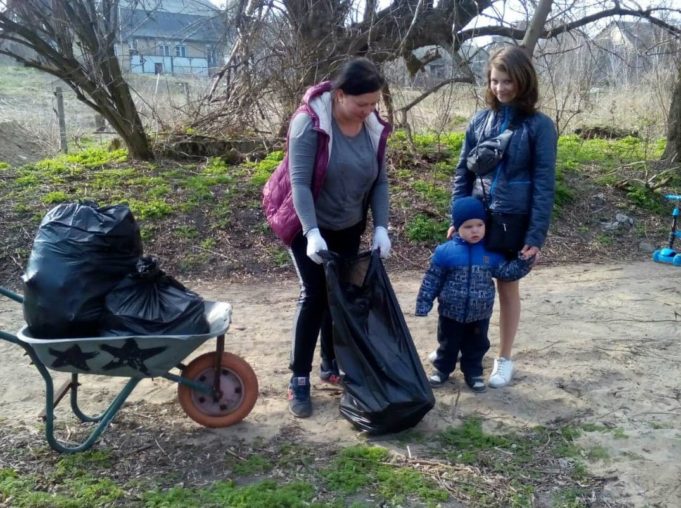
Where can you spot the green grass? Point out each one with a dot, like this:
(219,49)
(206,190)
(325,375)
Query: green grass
(434,194)
(179,204)
(264,168)
(597,453)
(480,469)
(424,229)
(618,433)
(79,490)
(361,467)
(574,155)
(574,152)
(266,494)
(154,192)
(520,457)
(430,141)
(255,464)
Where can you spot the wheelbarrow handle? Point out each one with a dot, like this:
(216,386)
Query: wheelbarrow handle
(11,295)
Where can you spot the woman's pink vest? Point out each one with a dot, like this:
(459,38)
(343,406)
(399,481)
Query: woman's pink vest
(277,199)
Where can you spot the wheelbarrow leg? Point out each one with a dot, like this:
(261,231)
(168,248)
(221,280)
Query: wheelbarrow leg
(103,420)
(74,384)
(61,392)
(51,402)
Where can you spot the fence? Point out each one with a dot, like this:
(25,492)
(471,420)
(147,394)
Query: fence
(31,99)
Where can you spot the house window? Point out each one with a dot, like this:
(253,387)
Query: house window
(180,50)
(163,50)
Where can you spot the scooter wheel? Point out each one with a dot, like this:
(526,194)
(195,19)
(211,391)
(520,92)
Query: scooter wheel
(238,386)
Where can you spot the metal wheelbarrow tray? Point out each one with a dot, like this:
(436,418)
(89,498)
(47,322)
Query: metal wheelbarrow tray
(216,389)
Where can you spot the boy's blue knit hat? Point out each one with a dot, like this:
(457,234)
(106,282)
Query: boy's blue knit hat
(467,208)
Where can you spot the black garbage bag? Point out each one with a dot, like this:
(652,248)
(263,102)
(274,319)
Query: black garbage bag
(386,389)
(79,253)
(149,302)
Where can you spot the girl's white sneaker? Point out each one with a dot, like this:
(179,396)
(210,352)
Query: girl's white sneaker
(502,372)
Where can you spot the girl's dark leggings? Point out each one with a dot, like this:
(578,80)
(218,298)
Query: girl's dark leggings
(312,311)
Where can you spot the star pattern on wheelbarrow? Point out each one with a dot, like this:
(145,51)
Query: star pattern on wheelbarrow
(73,356)
(130,355)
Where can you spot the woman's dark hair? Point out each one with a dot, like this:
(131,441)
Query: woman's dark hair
(514,61)
(359,76)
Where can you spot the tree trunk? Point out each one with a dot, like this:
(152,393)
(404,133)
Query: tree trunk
(130,126)
(536,27)
(673,149)
(75,43)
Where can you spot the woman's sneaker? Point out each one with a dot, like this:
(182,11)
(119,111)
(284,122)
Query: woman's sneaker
(476,383)
(502,372)
(330,373)
(299,403)
(437,379)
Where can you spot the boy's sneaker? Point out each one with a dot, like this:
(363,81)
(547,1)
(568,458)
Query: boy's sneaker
(299,402)
(432,356)
(502,372)
(437,379)
(476,383)
(330,373)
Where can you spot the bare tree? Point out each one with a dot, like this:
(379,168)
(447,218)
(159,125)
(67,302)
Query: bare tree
(286,45)
(673,148)
(74,41)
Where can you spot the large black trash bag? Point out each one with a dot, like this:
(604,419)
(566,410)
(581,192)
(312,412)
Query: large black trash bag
(149,302)
(79,253)
(386,389)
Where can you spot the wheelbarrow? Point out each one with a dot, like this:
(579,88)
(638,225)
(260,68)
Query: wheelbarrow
(216,389)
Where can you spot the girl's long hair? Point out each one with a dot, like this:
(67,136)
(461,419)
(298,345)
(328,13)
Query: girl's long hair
(514,61)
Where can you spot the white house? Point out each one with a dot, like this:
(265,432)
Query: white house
(171,37)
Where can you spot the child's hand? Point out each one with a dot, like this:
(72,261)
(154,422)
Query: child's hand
(530,253)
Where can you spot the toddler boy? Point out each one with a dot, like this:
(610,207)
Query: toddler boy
(460,277)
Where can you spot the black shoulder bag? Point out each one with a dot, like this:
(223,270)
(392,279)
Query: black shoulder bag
(505,232)
(485,156)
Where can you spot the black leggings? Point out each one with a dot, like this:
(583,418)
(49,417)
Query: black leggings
(312,311)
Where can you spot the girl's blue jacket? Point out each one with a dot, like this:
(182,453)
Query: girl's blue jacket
(524,181)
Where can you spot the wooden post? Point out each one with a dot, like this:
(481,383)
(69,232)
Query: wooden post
(100,123)
(62,120)
(185,85)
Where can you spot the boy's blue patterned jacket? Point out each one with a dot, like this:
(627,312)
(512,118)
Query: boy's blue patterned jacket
(460,277)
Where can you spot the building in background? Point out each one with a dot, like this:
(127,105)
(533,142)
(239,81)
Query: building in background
(178,37)
(629,51)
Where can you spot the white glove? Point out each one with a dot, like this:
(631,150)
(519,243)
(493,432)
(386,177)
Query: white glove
(315,243)
(381,241)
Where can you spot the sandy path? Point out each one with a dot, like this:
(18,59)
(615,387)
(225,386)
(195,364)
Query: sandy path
(598,344)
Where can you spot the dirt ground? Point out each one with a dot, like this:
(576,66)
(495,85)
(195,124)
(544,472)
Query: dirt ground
(598,344)
(18,146)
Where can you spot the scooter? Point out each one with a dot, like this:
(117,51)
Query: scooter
(668,254)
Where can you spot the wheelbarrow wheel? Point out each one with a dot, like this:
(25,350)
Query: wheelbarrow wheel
(238,384)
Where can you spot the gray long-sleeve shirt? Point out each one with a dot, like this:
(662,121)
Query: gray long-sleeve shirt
(350,175)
